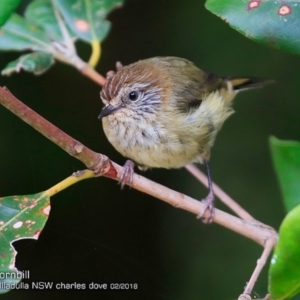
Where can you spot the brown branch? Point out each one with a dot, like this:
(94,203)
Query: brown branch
(254,230)
(99,162)
(90,158)
(260,233)
(89,72)
(71,58)
(259,266)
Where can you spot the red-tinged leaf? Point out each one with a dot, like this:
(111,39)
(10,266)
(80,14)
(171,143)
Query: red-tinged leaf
(273,23)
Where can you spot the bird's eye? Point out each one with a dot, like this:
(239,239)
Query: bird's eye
(133,95)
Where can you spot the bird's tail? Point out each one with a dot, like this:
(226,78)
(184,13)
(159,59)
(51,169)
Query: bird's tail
(247,83)
(233,85)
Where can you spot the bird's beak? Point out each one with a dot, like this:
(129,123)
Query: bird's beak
(107,110)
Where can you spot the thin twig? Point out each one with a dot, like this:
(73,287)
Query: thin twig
(253,229)
(225,198)
(269,245)
(89,72)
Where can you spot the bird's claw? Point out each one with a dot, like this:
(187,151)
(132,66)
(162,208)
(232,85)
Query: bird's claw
(127,174)
(208,209)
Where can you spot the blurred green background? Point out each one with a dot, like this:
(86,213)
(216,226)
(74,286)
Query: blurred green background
(98,233)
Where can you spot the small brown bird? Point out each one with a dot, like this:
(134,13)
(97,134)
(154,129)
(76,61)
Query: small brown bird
(164,112)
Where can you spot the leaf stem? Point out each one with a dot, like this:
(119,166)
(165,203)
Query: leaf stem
(96,53)
(74,178)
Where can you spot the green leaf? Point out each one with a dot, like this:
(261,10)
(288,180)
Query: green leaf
(42,14)
(7,8)
(19,34)
(87,18)
(274,23)
(284,273)
(36,62)
(20,217)
(286,159)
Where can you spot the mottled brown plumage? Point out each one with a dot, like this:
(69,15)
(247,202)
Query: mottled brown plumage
(164,112)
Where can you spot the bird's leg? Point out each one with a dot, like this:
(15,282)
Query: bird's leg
(208,201)
(127,174)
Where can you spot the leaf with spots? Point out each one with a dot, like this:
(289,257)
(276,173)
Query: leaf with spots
(87,18)
(20,217)
(44,15)
(284,273)
(273,23)
(52,27)
(41,29)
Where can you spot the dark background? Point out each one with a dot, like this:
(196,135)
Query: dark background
(98,233)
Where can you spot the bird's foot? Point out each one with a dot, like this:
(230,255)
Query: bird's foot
(127,174)
(208,211)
